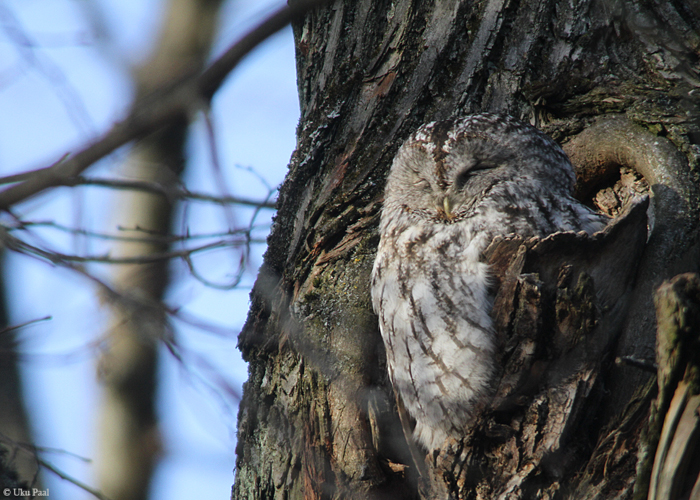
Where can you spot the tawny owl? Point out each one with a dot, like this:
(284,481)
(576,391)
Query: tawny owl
(453,187)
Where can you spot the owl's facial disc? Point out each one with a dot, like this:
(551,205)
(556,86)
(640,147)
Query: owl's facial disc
(453,181)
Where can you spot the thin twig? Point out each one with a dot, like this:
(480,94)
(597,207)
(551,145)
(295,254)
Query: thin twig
(174,192)
(212,77)
(15,244)
(34,451)
(72,480)
(150,236)
(216,167)
(48,69)
(22,325)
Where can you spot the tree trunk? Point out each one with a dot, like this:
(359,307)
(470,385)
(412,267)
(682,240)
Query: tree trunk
(615,82)
(15,427)
(129,441)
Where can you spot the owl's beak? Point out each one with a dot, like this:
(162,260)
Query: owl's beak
(447,206)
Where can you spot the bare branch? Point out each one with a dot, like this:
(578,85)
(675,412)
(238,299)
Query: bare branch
(149,236)
(170,192)
(216,73)
(23,176)
(216,167)
(49,70)
(220,286)
(71,479)
(15,244)
(136,303)
(22,325)
(152,111)
(34,451)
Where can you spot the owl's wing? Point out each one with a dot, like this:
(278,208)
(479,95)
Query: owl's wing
(558,308)
(408,424)
(560,301)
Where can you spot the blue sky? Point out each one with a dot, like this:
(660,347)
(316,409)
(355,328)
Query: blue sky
(60,85)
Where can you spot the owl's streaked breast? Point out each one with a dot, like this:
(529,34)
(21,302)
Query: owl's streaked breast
(439,343)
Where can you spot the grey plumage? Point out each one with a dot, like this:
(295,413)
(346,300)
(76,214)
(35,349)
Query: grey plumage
(453,187)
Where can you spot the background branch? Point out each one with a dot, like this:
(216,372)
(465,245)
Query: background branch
(153,111)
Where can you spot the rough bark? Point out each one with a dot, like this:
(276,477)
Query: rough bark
(674,426)
(614,80)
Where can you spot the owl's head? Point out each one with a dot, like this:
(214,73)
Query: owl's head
(445,169)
